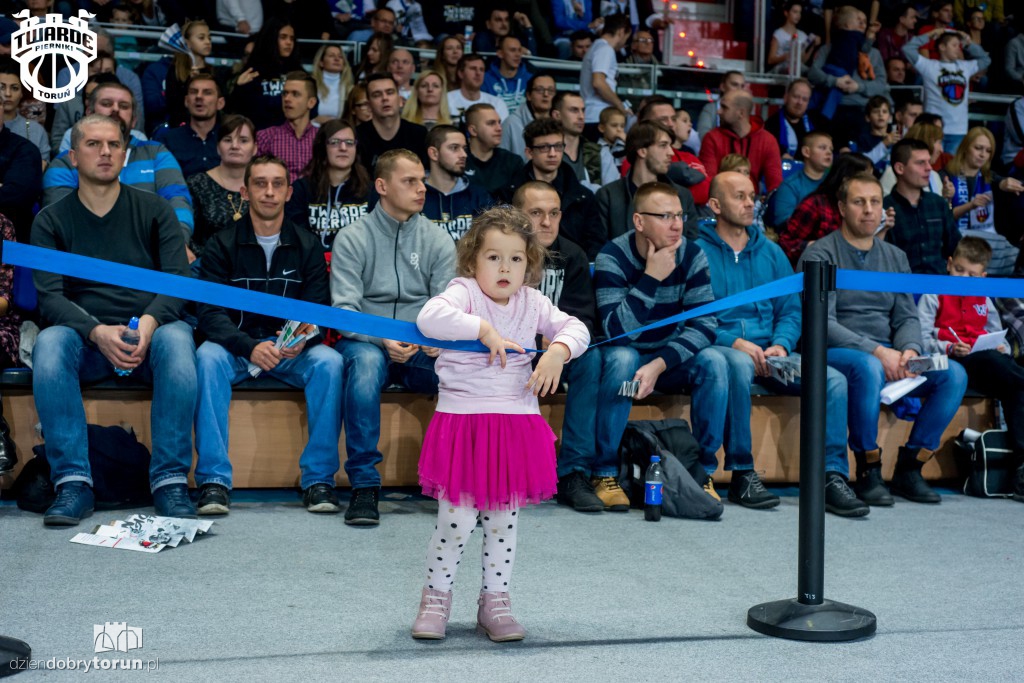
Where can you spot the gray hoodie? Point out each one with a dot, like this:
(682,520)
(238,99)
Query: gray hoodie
(383,267)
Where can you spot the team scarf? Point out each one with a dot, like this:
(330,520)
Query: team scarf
(978,218)
(787,135)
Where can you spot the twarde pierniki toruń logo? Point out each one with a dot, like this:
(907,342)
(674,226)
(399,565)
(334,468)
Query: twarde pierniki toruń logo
(46,46)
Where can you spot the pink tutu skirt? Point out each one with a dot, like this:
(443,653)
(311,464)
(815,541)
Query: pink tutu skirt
(492,461)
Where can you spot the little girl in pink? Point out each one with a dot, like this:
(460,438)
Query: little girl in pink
(487,450)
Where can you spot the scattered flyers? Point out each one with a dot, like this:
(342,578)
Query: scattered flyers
(287,339)
(784,369)
(629,388)
(921,364)
(894,391)
(144,533)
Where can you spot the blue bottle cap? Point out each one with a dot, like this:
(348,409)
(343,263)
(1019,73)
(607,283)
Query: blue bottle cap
(655,458)
(133,324)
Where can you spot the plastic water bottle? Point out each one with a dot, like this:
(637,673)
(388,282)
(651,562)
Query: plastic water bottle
(466,39)
(653,483)
(131,337)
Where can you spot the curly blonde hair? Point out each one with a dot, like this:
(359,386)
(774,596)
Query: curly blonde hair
(510,221)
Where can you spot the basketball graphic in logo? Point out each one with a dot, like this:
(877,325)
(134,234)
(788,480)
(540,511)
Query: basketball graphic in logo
(45,46)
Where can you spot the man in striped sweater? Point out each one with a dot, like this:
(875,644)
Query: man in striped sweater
(643,276)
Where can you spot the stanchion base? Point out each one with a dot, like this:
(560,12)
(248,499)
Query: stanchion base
(11,651)
(827,622)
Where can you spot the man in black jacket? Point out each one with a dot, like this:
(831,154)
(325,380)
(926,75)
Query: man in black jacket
(649,152)
(588,460)
(545,143)
(267,253)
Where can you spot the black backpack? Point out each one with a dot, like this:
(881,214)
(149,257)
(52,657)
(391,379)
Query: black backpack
(990,463)
(120,472)
(683,493)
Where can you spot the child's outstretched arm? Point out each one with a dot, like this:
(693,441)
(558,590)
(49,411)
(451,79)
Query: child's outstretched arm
(569,339)
(548,372)
(446,317)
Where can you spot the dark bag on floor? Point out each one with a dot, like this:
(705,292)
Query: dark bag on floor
(991,464)
(680,464)
(120,472)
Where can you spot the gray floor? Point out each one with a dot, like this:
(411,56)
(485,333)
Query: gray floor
(279,594)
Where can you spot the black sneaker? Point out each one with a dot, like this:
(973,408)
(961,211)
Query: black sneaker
(747,490)
(911,485)
(321,498)
(172,500)
(214,499)
(575,491)
(870,488)
(840,498)
(74,503)
(362,507)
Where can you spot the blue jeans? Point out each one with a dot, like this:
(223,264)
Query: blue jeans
(741,366)
(864,373)
(705,376)
(367,371)
(63,361)
(595,414)
(950,142)
(318,370)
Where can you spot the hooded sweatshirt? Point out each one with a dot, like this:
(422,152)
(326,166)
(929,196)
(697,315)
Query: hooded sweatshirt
(454,210)
(389,268)
(758,146)
(767,322)
(512,91)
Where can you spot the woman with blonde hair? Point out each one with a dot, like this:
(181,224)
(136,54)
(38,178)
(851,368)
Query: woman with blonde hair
(334,79)
(449,52)
(970,172)
(428,102)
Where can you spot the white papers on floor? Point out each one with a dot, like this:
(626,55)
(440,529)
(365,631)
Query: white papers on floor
(990,341)
(894,391)
(144,533)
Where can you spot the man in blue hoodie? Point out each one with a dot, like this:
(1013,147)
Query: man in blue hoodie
(740,258)
(451,200)
(508,75)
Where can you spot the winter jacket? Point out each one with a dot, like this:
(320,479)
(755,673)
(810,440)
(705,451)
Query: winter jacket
(512,91)
(234,257)
(615,212)
(768,322)
(758,146)
(390,268)
(567,282)
(969,316)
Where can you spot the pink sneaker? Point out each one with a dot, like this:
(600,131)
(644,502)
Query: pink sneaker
(435,607)
(494,617)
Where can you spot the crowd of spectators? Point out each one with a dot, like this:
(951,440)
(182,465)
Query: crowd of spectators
(297,156)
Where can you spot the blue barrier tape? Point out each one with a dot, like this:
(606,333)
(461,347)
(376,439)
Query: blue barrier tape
(904,283)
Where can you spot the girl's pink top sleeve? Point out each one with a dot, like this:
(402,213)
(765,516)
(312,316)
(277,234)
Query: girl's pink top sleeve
(447,317)
(559,326)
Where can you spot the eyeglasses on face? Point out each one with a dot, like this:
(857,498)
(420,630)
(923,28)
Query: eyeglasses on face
(544,91)
(544,149)
(339,142)
(676,216)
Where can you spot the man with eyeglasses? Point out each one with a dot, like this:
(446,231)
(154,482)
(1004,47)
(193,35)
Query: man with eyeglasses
(649,153)
(540,92)
(488,165)
(451,200)
(641,51)
(545,145)
(266,252)
(648,274)
(748,336)
(387,129)
(588,459)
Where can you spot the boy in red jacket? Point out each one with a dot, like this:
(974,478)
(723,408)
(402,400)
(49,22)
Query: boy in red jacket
(951,325)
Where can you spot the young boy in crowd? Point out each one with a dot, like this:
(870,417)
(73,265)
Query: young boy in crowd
(612,125)
(880,135)
(816,151)
(952,324)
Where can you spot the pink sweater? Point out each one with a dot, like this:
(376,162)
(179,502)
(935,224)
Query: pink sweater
(468,384)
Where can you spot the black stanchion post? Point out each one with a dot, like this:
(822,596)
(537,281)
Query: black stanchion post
(810,616)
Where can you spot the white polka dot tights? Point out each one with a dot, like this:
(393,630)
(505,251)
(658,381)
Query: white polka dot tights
(454,526)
